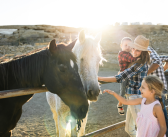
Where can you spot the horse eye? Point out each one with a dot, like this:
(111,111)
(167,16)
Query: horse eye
(62,68)
(81,59)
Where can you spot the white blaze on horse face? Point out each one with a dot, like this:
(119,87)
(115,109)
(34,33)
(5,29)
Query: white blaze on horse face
(88,58)
(88,70)
(71,63)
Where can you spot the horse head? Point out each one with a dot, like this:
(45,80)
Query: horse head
(88,53)
(62,78)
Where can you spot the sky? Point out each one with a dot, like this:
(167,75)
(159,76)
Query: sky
(82,13)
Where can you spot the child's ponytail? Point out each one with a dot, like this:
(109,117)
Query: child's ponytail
(161,102)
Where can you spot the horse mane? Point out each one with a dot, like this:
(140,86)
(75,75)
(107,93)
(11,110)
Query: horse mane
(90,48)
(27,69)
(2,60)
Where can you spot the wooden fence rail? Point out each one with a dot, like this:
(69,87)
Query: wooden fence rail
(21,92)
(105,130)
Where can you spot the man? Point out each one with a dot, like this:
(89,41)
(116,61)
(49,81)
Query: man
(156,68)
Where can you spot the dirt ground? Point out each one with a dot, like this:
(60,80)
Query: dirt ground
(37,121)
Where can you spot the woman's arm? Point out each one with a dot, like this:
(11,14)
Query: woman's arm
(152,68)
(157,110)
(126,74)
(123,100)
(107,79)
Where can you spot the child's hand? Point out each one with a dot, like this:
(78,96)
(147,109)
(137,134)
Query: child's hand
(119,72)
(109,91)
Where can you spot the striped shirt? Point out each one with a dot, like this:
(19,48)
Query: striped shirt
(156,59)
(135,75)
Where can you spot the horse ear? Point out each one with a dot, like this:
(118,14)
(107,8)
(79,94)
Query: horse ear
(71,45)
(81,36)
(98,37)
(53,46)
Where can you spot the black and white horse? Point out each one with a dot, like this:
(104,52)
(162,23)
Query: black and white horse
(89,56)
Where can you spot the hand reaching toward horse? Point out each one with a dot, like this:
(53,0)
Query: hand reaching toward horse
(109,91)
(123,100)
(107,79)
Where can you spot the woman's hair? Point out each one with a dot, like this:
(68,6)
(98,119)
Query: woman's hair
(156,84)
(144,58)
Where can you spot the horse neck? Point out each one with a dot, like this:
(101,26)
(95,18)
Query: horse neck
(25,72)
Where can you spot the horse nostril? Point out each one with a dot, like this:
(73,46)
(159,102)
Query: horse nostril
(90,92)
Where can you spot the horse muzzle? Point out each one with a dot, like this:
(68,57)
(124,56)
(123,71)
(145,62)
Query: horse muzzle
(92,95)
(80,113)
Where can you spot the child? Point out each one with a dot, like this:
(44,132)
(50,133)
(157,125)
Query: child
(150,120)
(124,58)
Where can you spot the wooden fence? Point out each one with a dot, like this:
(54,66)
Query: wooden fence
(21,92)
(105,130)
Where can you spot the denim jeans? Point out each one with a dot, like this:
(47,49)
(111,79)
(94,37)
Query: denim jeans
(131,115)
(165,113)
(123,86)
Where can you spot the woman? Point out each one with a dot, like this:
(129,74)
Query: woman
(135,75)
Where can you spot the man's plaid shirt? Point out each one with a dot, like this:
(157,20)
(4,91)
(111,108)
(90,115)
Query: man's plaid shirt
(155,58)
(124,58)
(135,75)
